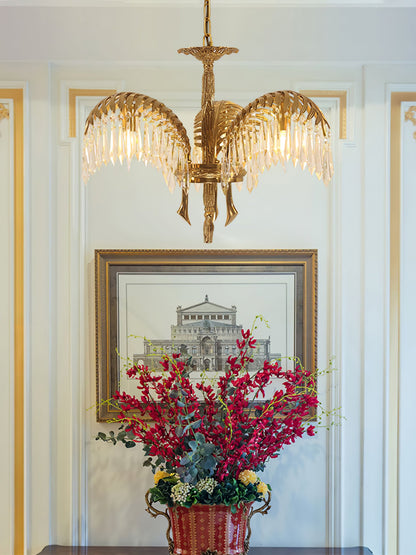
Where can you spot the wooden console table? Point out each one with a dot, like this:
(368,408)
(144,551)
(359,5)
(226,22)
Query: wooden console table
(62,550)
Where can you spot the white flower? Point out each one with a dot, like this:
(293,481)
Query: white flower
(207,484)
(180,492)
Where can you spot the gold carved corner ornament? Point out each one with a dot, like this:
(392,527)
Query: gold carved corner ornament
(410,115)
(4,112)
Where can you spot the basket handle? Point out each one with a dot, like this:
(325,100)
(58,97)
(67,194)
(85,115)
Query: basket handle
(155,513)
(264,509)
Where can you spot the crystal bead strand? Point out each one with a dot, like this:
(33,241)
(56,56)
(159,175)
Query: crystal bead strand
(318,152)
(139,142)
(146,142)
(327,166)
(275,140)
(105,145)
(310,162)
(267,144)
(296,143)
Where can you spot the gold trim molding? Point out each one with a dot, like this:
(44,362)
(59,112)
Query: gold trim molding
(4,112)
(342,97)
(19,398)
(73,94)
(394,339)
(410,115)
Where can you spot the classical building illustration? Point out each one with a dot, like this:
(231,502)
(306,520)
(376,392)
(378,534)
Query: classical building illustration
(207,332)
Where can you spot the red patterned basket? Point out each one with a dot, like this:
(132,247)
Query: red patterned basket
(208,529)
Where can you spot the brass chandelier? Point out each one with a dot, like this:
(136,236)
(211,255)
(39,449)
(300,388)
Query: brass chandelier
(231,143)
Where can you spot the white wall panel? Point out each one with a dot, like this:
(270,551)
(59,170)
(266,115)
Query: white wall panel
(375,308)
(39,306)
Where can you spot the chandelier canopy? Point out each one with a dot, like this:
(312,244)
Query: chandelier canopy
(231,143)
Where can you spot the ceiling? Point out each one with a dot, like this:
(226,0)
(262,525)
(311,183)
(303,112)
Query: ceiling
(265,31)
(215,4)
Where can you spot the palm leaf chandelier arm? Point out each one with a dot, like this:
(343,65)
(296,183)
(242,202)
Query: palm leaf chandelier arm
(131,125)
(274,128)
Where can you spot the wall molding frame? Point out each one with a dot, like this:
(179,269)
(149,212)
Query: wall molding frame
(341,96)
(393,430)
(78,107)
(335,103)
(73,95)
(16,95)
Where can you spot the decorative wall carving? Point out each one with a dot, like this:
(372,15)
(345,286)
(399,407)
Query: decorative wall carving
(4,112)
(410,115)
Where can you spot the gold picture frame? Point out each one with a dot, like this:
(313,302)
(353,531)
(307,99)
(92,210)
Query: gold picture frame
(137,292)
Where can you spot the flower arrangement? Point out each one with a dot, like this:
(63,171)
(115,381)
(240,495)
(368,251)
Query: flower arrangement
(206,442)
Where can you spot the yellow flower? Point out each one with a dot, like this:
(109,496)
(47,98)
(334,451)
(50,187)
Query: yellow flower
(160,474)
(247,477)
(262,488)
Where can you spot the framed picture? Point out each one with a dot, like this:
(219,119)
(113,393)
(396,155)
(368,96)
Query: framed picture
(197,302)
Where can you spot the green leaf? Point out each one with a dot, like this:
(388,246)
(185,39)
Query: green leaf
(208,463)
(186,459)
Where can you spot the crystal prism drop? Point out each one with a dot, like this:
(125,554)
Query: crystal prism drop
(303,158)
(249,181)
(275,142)
(171,182)
(296,145)
(120,143)
(146,143)
(318,156)
(113,144)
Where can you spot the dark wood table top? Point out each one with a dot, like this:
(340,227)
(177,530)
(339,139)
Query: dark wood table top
(62,550)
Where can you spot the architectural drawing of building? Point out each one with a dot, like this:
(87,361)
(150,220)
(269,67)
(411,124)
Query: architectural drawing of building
(208,333)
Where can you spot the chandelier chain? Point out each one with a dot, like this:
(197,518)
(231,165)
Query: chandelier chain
(207,23)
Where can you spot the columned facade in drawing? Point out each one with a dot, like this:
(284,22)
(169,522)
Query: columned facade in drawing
(208,333)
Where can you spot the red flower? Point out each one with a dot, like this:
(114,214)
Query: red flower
(231,415)
(252,342)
